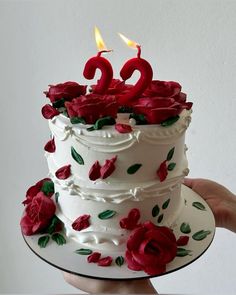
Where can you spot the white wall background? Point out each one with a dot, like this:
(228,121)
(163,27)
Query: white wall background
(44,42)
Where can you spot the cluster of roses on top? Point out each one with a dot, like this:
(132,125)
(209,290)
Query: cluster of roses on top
(161,101)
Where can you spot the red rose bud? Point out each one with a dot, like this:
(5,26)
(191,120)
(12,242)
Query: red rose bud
(131,222)
(106,261)
(50,146)
(63,172)
(81,222)
(108,168)
(182,241)
(49,112)
(123,128)
(34,190)
(67,90)
(162,172)
(94,172)
(94,257)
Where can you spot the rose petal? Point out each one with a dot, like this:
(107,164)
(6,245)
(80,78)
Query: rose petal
(81,222)
(63,172)
(106,261)
(49,112)
(153,270)
(108,168)
(162,171)
(50,146)
(132,264)
(94,257)
(94,172)
(135,238)
(182,241)
(123,128)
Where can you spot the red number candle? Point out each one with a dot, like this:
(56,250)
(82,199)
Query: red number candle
(99,62)
(128,69)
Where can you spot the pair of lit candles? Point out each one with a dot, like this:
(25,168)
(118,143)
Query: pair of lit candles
(137,63)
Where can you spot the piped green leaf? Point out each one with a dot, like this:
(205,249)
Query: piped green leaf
(48,187)
(107,214)
(120,260)
(43,241)
(181,252)
(59,239)
(53,225)
(76,156)
(59,103)
(170,154)
(200,235)
(160,218)
(155,211)
(166,204)
(83,251)
(170,121)
(185,228)
(199,206)
(102,122)
(134,168)
(77,120)
(140,119)
(171,166)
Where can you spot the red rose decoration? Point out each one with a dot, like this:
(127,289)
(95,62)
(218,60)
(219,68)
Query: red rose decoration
(49,112)
(161,101)
(150,248)
(81,222)
(130,222)
(108,168)
(106,261)
(92,107)
(67,90)
(123,128)
(94,172)
(38,214)
(63,172)
(50,146)
(116,87)
(94,257)
(162,172)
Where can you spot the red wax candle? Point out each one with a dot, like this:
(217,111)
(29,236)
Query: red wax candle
(128,69)
(99,62)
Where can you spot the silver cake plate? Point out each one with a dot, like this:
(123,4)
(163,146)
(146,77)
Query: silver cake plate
(195,216)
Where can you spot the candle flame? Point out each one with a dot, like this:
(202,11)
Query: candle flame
(129,42)
(99,41)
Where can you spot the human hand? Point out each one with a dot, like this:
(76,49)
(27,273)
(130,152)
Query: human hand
(95,286)
(221,201)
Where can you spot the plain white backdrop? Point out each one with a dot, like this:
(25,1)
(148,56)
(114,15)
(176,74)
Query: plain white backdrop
(43,42)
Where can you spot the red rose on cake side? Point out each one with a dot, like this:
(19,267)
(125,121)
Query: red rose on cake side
(162,100)
(92,107)
(39,210)
(150,248)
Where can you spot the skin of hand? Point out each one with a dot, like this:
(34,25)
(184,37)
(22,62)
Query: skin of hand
(94,286)
(221,201)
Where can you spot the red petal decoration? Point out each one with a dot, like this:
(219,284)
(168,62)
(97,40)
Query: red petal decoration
(162,171)
(123,128)
(106,261)
(131,222)
(50,146)
(94,257)
(108,168)
(182,241)
(63,172)
(49,112)
(94,172)
(81,222)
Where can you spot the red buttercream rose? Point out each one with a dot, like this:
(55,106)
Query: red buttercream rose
(116,87)
(38,214)
(150,248)
(67,90)
(92,107)
(81,222)
(161,101)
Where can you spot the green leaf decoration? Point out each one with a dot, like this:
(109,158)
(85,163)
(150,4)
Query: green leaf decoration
(77,120)
(43,241)
(170,121)
(166,204)
(77,157)
(160,218)
(102,122)
(140,119)
(200,235)
(106,214)
(185,228)
(120,260)
(170,154)
(52,227)
(155,211)
(48,187)
(83,251)
(59,103)
(56,197)
(199,206)
(171,166)
(181,252)
(134,168)
(59,239)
